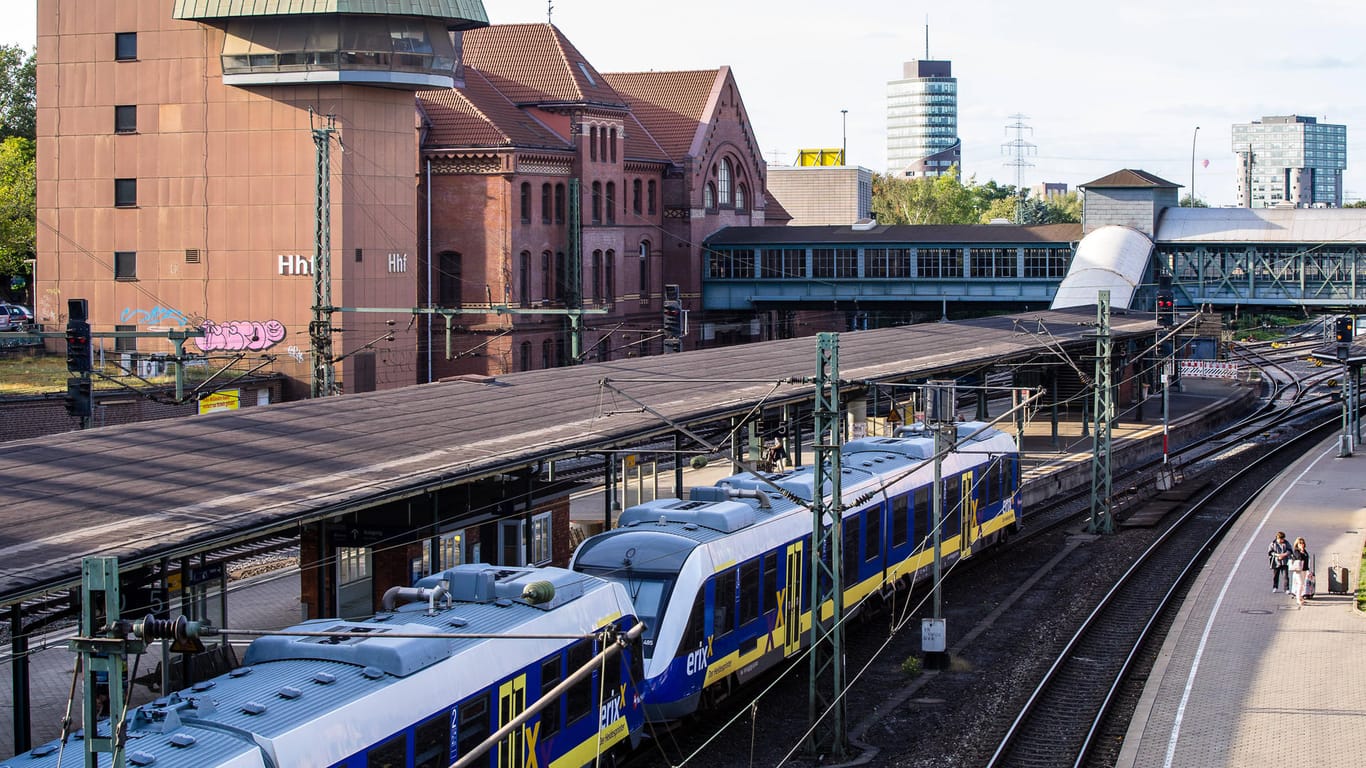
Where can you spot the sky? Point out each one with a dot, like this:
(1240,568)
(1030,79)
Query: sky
(1102,85)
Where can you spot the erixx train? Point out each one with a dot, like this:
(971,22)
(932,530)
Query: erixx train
(721,579)
(359,699)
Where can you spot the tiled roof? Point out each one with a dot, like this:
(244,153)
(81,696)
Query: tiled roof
(669,104)
(774,213)
(478,115)
(535,64)
(640,143)
(1129,178)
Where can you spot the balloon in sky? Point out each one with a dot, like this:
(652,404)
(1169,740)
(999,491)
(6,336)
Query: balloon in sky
(1204,163)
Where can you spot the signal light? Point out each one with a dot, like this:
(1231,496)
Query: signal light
(1166,309)
(78,347)
(673,324)
(78,400)
(1345,329)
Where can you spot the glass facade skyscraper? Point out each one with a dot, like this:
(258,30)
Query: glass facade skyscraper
(1291,160)
(922,120)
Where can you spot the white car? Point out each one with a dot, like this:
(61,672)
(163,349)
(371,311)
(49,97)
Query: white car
(15,318)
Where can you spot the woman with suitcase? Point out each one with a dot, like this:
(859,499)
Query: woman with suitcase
(1299,569)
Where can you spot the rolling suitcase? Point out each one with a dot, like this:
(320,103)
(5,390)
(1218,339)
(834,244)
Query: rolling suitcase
(1337,580)
(1309,585)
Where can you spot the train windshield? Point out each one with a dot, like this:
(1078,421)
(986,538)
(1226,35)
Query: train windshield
(649,593)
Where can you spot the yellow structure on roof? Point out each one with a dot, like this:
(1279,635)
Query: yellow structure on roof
(811,157)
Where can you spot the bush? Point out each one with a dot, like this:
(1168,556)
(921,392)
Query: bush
(913,666)
(698,462)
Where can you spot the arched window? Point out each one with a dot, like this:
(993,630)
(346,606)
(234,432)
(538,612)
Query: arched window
(546,283)
(644,270)
(526,202)
(614,145)
(741,197)
(593,143)
(545,203)
(524,279)
(651,197)
(723,182)
(609,283)
(597,277)
(559,204)
(524,361)
(597,203)
(611,202)
(709,196)
(449,265)
(547,349)
(635,197)
(602,150)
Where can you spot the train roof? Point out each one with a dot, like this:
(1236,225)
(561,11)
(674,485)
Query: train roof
(287,682)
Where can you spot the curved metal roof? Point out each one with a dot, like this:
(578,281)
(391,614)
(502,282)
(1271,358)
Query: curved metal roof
(1112,258)
(1262,225)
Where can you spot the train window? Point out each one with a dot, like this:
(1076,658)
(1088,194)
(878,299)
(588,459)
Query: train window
(872,534)
(769,588)
(551,677)
(696,633)
(391,754)
(472,723)
(432,743)
(579,702)
(953,502)
(923,516)
(749,592)
(723,606)
(901,520)
(994,482)
(849,551)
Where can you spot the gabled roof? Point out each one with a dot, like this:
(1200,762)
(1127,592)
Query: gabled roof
(478,115)
(1129,178)
(670,105)
(535,64)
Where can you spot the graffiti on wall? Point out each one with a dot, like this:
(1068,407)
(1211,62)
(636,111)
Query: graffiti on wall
(237,335)
(157,315)
(293,351)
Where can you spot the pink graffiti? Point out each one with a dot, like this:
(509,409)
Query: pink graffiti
(240,334)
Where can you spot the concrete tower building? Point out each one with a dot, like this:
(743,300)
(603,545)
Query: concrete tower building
(1290,159)
(922,120)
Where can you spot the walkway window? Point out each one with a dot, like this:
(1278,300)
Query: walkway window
(784,262)
(1046,262)
(939,263)
(834,262)
(992,262)
(887,262)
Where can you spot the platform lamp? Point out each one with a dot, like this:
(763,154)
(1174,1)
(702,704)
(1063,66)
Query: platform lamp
(844,137)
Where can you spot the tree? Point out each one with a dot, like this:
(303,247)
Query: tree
(1357,204)
(927,200)
(1063,209)
(18,93)
(18,204)
(1192,202)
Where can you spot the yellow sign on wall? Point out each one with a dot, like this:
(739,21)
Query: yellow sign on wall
(223,400)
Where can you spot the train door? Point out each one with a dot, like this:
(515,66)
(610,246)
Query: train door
(792,601)
(968,506)
(511,701)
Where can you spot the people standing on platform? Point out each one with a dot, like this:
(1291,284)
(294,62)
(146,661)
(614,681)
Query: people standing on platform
(1279,554)
(1299,569)
(777,456)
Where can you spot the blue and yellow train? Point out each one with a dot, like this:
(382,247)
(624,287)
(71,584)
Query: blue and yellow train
(722,578)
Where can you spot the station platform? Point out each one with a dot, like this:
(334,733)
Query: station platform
(1246,678)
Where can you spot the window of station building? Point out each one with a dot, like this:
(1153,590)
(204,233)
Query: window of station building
(741,196)
(524,278)
(597,203)
(635,197)
(887,262)
(547,354)
(783,262)
(561,277)
(524,357)
(546,284)
(723,182)
(593,144)
(353,564)
(559,204)
(125,46)
(449,265)
(450,549)
(650,197)
(613,145)
(125,265)
(609,282)
(541,544)
(709,196)
(602,149)
(545,203)
(526,202)
(596,292)
(125,193)
(644,270)
(126,118)
(611,202)
(128,344)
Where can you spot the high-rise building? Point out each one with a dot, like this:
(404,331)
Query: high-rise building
(922,120)
(1290,160)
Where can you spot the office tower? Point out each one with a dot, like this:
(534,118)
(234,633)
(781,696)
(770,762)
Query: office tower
(1290,160)
(922,120)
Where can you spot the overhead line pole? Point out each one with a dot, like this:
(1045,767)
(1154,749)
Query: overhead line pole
(323,381)
(1102,512)
(826,701)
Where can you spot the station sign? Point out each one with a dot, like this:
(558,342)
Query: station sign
(199,574)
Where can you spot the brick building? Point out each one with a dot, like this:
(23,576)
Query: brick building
(653,163)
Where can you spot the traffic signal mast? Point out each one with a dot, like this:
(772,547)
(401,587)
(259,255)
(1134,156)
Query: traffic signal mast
(673,319)
(79,360)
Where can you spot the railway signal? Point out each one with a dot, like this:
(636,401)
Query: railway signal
(1345,329)
(78,347)
(1166,308)
(78,402)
